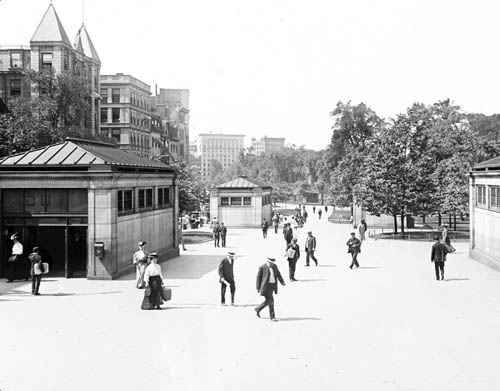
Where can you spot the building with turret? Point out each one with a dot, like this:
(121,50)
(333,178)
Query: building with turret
(51,47)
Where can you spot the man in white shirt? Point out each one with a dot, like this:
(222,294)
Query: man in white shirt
(267,278)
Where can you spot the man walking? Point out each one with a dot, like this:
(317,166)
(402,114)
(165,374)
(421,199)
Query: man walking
(362,230)
(292,254)
(267,284)
(226,277)
(310,248)
(354,247)
(223,233)
(276,222)
(288,234)
(216,233)
(438,256)
(265,227)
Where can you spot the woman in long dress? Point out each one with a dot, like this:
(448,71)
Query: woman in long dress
(140,260)
(154,281)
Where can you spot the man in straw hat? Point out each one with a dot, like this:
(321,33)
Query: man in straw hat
(267,284)
(226,277)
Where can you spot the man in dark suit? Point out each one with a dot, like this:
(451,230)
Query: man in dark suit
(354,247)
(288,234)
(438,256)
(223,233)
(226,277)
(310,248)
(216,232)
(267,284)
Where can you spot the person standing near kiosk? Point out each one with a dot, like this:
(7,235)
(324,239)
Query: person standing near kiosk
(140,260)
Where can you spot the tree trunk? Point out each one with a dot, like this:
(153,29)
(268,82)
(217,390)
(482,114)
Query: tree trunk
(402,224)
(449,220)
(454,222)
(439,219)
(423,219)
(395,224)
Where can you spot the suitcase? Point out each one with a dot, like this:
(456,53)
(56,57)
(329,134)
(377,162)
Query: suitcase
(166,293)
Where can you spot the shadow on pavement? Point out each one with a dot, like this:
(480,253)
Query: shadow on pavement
(245,305)
(295,319)
(191,266)
(167,307)
(456,279)
(312,280)
(186,267)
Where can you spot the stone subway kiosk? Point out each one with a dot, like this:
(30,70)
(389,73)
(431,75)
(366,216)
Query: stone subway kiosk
(86,205)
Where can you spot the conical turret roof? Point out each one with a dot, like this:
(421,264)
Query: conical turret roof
(50,28)
(83,44)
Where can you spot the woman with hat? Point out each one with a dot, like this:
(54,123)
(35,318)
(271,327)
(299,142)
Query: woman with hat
(140,260)
(154,283)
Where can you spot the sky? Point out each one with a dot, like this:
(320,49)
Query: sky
(279,67)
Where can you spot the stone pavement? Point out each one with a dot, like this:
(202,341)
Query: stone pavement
(386,326)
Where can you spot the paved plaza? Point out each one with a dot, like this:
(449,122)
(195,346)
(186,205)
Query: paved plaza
(386,326)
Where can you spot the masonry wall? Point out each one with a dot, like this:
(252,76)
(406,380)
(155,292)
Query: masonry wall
(155,227)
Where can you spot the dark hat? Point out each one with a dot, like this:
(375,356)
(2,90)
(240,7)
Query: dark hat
(142,243)
(153,254)
(353,233)
(230,253)
(309,232)
(272,259)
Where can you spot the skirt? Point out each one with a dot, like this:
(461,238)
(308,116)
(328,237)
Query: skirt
(154,298)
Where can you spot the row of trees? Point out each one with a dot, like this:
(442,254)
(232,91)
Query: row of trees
(414,164)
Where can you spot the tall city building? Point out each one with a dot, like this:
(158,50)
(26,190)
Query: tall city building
(172,105)
(267,145)
(224,148)
(50,47)
(126,114)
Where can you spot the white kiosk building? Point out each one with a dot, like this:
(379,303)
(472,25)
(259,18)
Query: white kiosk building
(241,203)
(485,213)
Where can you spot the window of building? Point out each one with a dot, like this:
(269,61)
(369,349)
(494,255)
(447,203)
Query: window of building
(104,95)
(16,60)
(224,201)
(163,196)
(125,198)
(145,198)
(115,134)
(495,197)
(247,200)
(15,87)
(47,60)
(481,196)
(115,95)
(115,115)
(235,200)
(66,61)
(104,115)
